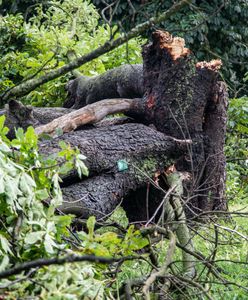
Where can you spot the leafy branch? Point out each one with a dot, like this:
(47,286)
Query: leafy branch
(28,86)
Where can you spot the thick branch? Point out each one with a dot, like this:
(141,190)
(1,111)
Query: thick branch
(181,228)
(30,85)
(89,114)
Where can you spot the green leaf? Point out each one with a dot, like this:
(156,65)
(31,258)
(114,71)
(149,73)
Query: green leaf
(4,263)
(2,121)
(109,238)
(31,137)
(49,244)
(34,237)
(5,245)
(58,132)
(81,168)
(4,147)
(26,183)
(42,194)
(66,167)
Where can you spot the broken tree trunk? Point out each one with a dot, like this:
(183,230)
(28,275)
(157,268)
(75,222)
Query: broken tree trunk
(179,101)
(214,126)
(142,151)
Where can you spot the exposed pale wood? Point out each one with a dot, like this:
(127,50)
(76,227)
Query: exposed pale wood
(174,45)
(89,114)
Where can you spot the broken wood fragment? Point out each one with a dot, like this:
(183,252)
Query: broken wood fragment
(89,114)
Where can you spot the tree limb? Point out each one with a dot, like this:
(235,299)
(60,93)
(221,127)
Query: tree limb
(89,114)
(162,271)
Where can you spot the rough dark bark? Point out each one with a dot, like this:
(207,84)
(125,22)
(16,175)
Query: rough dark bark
(123,82)
(177,95)
(214,176)
(19,115)
(145,150)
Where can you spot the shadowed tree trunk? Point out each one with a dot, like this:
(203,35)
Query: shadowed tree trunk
(120,160)
(181,103)
(214,176)
(123,82)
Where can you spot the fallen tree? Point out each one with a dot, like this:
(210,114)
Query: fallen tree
(185,105)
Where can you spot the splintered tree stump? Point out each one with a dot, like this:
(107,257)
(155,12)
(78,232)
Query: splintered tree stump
(183,99)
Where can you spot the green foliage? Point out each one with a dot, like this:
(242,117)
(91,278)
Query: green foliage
(212,29)
(29,229)
(237,149)
(39,45)
(231,248)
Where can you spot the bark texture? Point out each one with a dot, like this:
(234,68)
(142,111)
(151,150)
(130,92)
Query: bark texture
(144,150)
(123,82)
(19,115)
(179,101)
(90,114)
(183,101)
(215,167)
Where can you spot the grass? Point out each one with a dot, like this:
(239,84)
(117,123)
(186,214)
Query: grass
(231,256)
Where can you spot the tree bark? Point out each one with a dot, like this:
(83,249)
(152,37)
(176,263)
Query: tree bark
(214,176)
(19,115)
(90,114)
(177,101)
(144,150)
(183,100)
(123,82)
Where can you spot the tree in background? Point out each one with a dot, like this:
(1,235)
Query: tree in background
(212,29)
